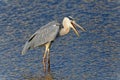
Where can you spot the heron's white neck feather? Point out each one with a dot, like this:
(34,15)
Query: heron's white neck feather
(64,31)
(66,27)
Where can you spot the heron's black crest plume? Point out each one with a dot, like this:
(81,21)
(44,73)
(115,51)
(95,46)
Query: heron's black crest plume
(70,17)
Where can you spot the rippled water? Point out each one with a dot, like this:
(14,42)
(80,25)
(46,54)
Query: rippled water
(93,56)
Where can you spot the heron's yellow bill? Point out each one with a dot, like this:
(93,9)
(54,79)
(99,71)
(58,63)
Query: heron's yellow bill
(74,28)
(79,26)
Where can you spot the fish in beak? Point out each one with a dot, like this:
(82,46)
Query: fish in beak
(74,24)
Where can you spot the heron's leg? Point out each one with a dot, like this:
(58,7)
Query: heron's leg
(48,60)
(44,60)
(47,46)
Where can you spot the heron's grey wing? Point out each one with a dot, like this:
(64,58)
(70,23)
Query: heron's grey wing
(45,34)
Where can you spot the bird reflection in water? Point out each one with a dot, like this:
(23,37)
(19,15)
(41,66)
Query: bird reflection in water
(47,76)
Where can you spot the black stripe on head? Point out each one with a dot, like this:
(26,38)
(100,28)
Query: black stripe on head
(71,18)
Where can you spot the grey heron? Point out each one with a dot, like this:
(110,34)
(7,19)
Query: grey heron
(48,33)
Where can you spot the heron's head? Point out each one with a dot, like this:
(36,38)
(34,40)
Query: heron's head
(70,22)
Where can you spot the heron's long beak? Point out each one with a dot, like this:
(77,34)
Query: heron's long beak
(75,30)
(78,25)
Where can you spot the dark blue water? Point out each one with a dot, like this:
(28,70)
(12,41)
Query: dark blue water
(95,55)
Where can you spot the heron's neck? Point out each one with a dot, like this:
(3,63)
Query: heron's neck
(64,30)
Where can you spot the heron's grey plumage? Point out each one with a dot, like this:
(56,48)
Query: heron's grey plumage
(45,34)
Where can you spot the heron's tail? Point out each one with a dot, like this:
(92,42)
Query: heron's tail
(25,48)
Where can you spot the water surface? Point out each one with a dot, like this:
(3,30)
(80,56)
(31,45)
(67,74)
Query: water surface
(95,55)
